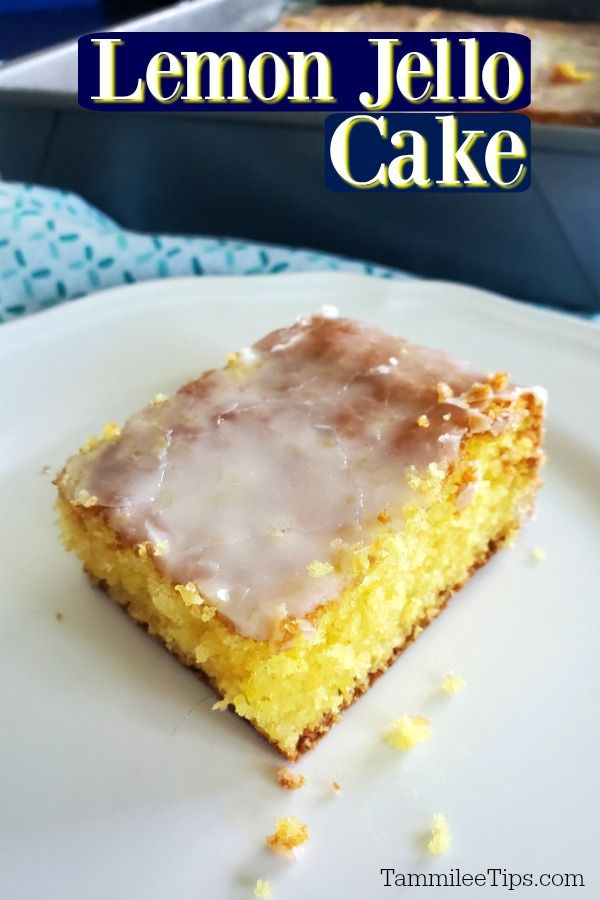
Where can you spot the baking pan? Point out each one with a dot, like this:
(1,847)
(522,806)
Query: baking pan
(260,176)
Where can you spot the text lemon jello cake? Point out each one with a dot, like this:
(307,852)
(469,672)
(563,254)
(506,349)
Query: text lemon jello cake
(286,525)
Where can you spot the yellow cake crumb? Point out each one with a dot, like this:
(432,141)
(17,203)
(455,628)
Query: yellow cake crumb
(444,392)
(406,731)
(289,834)
(446,417)
(220,705)
(90,443)
(84,498)
(452,684)
(440,839)
(290,781)
(498,380)
(285,631)
(262,889)
(538,554)
(567,73)
(336,787)
(206,612)
(478,392)
(202,653)
(160,548)
(318,569)
(158,398)
(423,421)
(189,594)
(437,472)
(111,430)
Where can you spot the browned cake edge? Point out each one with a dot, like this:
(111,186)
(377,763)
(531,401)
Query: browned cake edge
(310,736)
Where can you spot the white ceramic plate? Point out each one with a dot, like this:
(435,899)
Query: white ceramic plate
(119,783)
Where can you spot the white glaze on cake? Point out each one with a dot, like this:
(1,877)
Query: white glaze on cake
(250,472)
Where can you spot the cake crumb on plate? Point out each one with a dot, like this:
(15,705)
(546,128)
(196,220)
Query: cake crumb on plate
(452,683)
(406,731)
(288,780)
(289,834)
(440,839)
(262,889)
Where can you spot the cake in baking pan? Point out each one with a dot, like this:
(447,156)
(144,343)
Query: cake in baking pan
(565,56)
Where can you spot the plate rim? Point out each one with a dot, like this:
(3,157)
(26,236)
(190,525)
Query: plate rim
(122,297)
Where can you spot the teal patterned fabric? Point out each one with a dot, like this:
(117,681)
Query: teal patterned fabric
(55,247)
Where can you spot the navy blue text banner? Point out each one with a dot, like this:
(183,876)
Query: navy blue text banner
(412,152)
(325,71)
